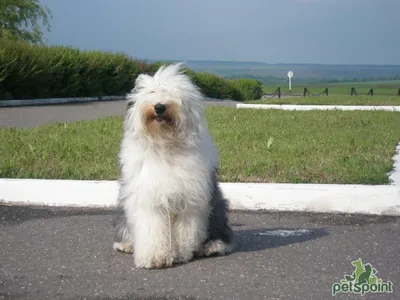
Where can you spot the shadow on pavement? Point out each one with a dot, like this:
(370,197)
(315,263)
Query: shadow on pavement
(261,239)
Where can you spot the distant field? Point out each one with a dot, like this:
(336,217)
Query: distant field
(261,69)
(389,88)
(303,73)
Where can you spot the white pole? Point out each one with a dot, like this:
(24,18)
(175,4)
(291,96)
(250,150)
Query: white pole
(289,75)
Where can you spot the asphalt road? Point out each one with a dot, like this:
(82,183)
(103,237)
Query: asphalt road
(30,116)
(61,253)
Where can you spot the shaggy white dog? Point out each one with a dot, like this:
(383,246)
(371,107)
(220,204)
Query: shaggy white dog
(170,206)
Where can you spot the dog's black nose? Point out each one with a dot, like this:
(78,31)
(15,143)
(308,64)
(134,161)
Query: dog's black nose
(160,108)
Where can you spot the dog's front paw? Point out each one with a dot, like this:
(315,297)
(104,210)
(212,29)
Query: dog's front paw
(155,262)
(217,247)
(162,262)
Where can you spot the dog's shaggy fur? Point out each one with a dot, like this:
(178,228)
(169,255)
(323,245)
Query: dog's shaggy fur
(170,206)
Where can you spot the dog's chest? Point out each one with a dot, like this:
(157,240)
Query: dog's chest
(177,178)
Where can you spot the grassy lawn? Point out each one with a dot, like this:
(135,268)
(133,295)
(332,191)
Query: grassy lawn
(255,146)
(332,100)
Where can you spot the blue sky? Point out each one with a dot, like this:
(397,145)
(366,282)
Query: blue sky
(272,31)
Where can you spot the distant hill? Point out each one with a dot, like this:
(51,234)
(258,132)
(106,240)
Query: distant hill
(304,73)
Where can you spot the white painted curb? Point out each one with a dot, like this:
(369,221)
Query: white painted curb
(317,107)
(326,198)
(357,199)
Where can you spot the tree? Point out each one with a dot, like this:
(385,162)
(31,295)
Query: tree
(20,19)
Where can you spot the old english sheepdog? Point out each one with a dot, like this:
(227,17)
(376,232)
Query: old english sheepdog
(170,206)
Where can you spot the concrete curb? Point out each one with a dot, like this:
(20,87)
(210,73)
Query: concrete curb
(322,198)
(317,107)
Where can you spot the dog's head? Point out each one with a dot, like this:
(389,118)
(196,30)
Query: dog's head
(165,108)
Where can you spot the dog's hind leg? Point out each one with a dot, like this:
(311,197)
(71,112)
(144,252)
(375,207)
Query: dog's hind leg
(122,235)
(220,234)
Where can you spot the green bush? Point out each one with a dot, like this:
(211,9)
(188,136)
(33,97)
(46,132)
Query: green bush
(251,89)
(216,87)
(30,71)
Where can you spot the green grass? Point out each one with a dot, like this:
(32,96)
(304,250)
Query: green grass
(332,100)
(383,88)
(255,146)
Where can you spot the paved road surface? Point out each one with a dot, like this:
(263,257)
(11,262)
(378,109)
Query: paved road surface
(30,116)
(60,253)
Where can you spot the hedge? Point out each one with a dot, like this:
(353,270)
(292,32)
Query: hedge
(217,87)
(250,89)
(33,71)
(30,71)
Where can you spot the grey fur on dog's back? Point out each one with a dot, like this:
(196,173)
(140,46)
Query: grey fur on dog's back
(218,227)
(121,228)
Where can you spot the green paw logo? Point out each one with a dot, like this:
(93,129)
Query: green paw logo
(363,280)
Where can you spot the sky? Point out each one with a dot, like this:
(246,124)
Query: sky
(271,31)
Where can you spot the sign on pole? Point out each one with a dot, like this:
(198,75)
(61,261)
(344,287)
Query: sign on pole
(290,75)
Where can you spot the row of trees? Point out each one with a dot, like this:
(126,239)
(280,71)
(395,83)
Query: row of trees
(24,20)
